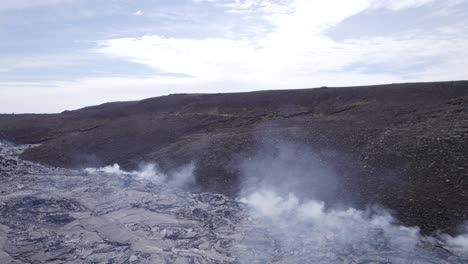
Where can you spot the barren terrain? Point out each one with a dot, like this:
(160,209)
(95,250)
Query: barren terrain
(402,146)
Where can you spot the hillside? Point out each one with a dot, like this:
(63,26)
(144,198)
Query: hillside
(401,145)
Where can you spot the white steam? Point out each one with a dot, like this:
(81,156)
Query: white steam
(334,226)
(181,177)
(459,244)
(286,189)
(268,203)
(306,229)
(5,143)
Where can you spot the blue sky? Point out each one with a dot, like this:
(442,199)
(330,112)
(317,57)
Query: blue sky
(58,55)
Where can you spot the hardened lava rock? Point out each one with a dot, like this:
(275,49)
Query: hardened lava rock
(52,215)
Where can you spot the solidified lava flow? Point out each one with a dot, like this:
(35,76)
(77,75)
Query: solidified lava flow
(53,215)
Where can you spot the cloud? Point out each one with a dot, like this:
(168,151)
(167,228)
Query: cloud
(22,4)
(272,5)
(296,48)
(138,13)
(35,61)
(400,4)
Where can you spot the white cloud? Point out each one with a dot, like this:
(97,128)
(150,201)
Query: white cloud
(296,51)
(275,5)
(400,4)
(20,4)
(138,13)
(33,61)
(88,13)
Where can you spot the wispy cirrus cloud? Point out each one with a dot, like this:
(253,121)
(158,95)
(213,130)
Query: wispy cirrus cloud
(297,47)
(272,5)
(138,13)
(22,4)
(400,4)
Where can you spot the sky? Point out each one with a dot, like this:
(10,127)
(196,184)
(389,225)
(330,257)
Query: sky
(58,55)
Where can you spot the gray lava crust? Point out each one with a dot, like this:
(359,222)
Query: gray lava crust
(55,215)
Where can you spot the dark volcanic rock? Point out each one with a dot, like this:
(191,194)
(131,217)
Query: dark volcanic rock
(52,215)
(401,145)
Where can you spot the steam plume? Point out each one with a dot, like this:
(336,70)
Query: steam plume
(308,229)
(182,177)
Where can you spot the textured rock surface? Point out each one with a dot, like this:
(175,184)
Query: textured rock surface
(56,216)
(400,145)
(53,215)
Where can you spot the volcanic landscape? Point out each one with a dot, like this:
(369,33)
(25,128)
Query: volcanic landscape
(374,174)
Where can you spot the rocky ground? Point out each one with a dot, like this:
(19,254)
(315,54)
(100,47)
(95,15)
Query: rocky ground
(403,146)
(51,215)
(54,215)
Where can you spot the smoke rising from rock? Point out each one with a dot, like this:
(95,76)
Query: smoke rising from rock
(182,177)
(287,167)
(6,143)
(290,190)
(458,243)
